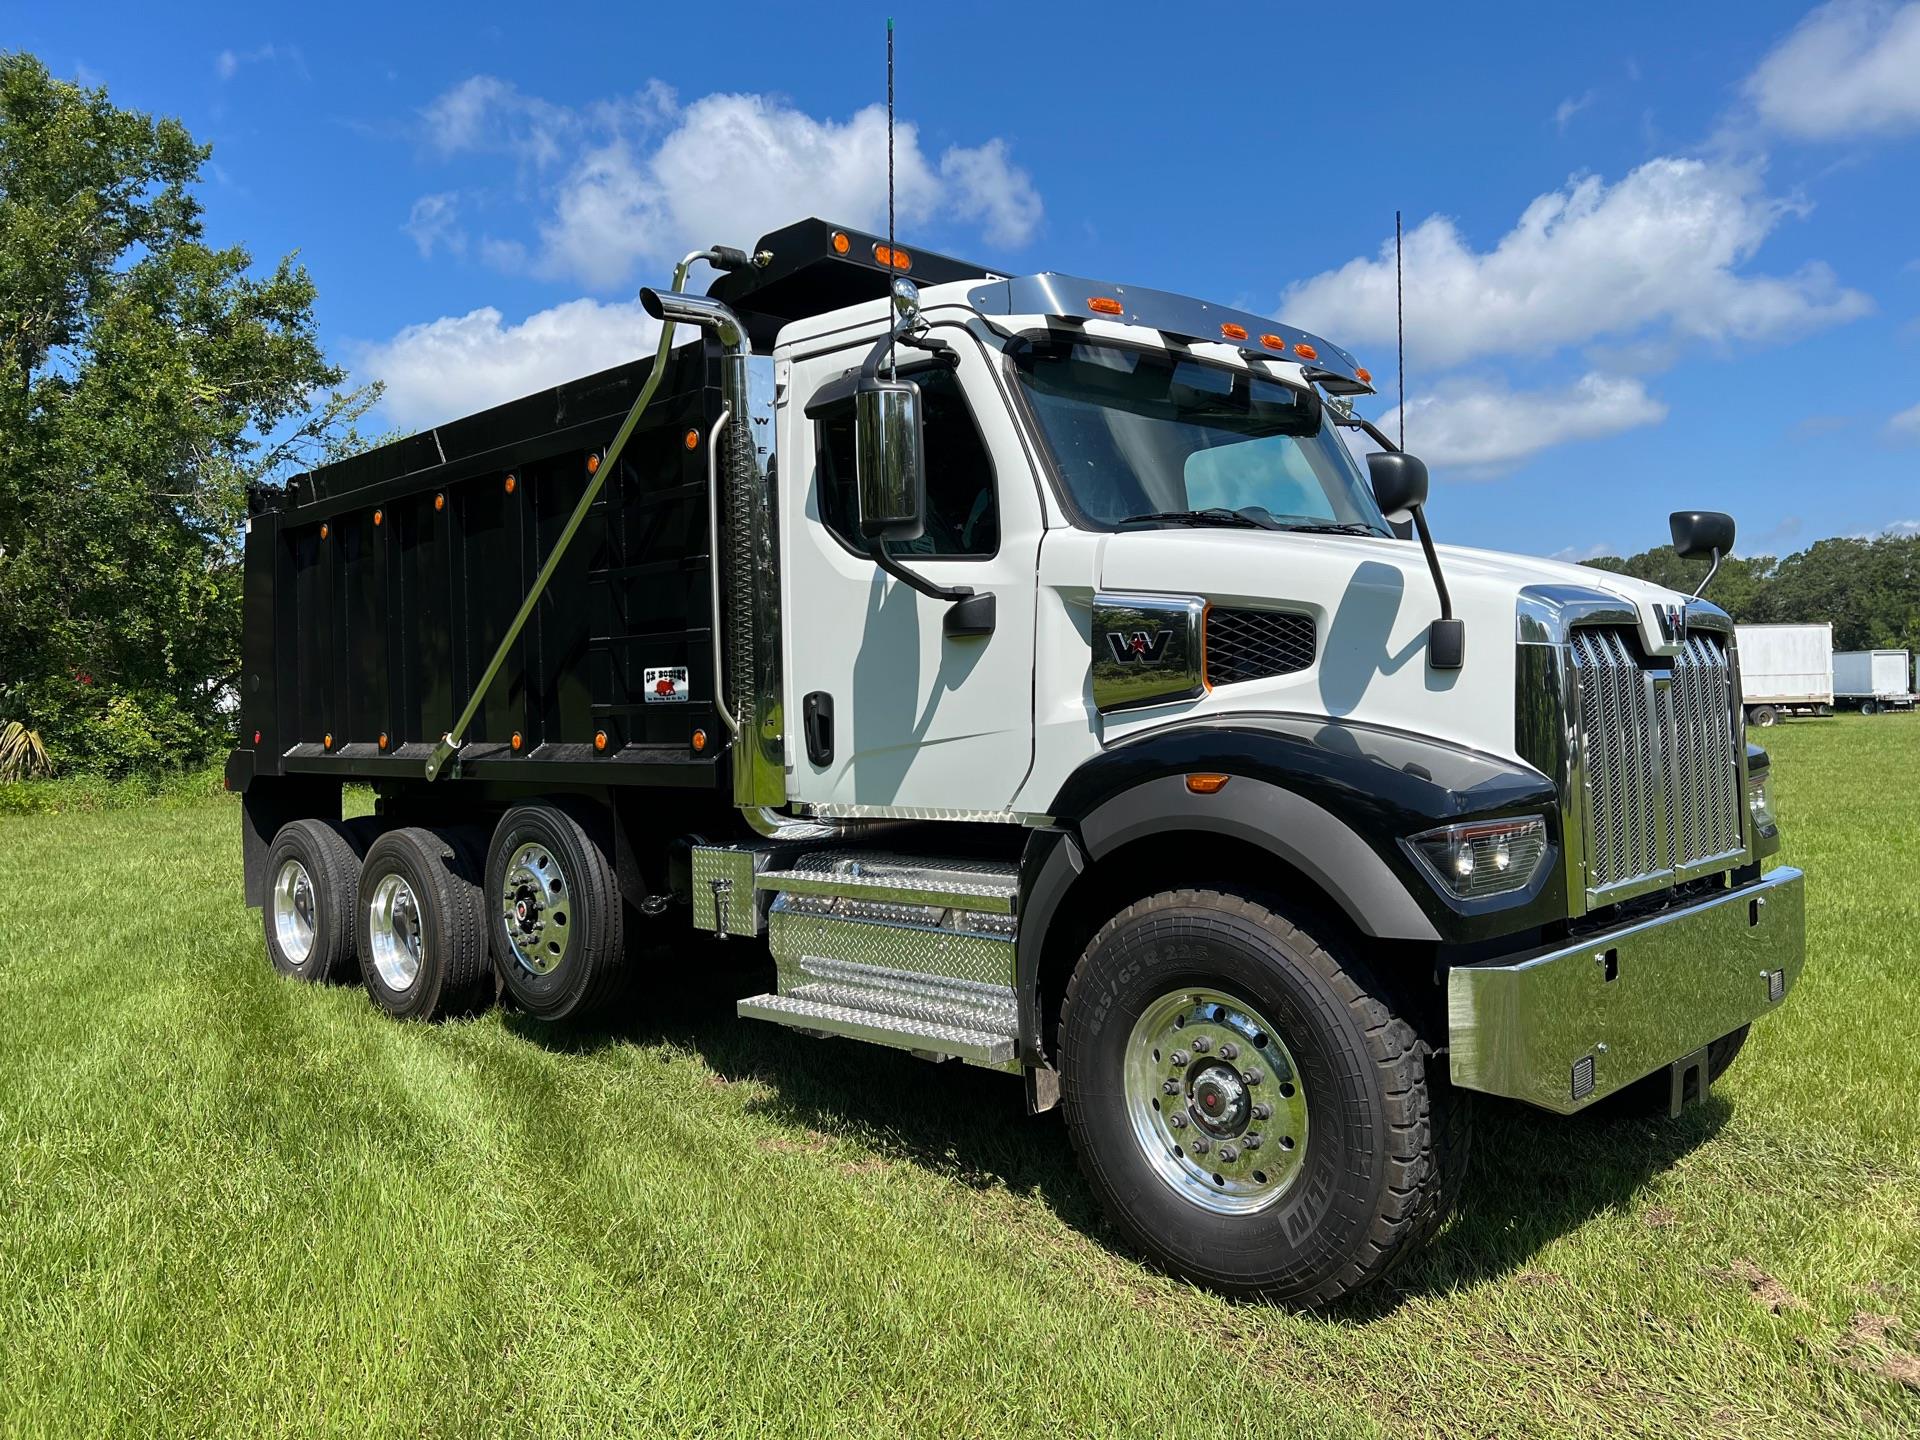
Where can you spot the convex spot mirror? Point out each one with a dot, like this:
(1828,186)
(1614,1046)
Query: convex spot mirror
(889,459)
(1399,483)
(1701,534)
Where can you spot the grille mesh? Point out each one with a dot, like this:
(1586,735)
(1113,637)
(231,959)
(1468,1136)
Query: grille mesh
(1253,644)
(1662,773)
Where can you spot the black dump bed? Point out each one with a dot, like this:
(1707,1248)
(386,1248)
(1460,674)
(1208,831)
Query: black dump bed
(378,587)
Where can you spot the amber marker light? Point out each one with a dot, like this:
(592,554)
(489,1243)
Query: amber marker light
(1231,331)
(323,530)
(699,741)
(327,740)
(512,484)
(515,741)
(1364,376)
(383,740)
(593,464)
(1105,305)
(1305,351)
(840,242)
(893,259)
(599,740)
(1206,783)
(440,501)
(378,516)
(693,439)
(1273,342)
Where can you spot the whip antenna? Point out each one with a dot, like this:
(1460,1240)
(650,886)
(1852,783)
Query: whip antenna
(890,250)
(1399,318)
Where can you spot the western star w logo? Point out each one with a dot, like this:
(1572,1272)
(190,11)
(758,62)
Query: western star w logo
(1138,647)
(1673,623)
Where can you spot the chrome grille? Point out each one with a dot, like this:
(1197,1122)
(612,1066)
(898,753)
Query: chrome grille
(1657,744)
(1253,644)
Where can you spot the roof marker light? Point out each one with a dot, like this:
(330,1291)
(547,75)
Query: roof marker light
(1231,331)
(894,259)
(1105,305)
(1305,351)
(840,242)
(1273,342)
(1363,375)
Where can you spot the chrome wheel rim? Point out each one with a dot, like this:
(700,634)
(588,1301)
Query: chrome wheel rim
(1217,1105)
(294,912)
(536,908)
(393,928)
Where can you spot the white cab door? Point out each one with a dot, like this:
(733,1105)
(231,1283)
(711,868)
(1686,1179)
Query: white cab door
(920,721)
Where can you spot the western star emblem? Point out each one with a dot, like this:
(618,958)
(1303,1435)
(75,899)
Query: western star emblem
(1673,623)
(1138,647)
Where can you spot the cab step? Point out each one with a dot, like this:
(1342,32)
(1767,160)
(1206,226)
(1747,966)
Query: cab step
(901,1032)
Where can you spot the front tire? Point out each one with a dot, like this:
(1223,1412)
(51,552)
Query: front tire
(555,926)
(1764,715)
(1250,1112)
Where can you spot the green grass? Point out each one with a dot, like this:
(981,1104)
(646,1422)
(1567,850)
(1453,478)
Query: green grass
(234,1205)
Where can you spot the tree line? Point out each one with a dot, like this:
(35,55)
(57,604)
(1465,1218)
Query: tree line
(1867,588)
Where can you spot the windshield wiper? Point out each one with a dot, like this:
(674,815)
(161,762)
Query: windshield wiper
(1218,515)
(1348,527)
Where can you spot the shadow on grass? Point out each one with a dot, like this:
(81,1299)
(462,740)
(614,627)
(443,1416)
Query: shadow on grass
(1532,1178)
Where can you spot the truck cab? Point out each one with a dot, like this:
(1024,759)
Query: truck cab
(1053,688)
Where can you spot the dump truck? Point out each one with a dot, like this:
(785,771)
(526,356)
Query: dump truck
(1028,671)
(1873,681)
(1786,670)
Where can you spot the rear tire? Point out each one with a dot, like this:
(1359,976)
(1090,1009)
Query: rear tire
(422,927)
(556,926)
(1764,715)
(1869,707)
(1250,1112)
(313,888)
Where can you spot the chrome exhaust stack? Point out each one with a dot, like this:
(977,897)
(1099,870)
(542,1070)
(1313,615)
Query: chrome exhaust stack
(751,619)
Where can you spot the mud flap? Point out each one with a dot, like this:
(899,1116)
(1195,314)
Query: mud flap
(1688,1079)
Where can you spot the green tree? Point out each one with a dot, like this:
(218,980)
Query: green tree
(146,380)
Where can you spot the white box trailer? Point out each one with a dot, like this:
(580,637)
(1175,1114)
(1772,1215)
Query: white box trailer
(1785,670)
(1872,680)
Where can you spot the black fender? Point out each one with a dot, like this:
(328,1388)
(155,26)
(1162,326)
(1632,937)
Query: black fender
(1331,799)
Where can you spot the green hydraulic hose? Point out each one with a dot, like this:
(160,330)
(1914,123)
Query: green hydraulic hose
(448,746)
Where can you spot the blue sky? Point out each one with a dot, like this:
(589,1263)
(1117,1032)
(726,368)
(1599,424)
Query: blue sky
(1658,255)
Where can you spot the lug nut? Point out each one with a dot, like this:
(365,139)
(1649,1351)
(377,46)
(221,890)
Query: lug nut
(1179,1057)
(1201,1044)
(1262,1112)
(1252,1142)
(1178,1122)
(1229,1051)
(1228,1154)
(1200,1145)
(1253,1077)
(1170,1087)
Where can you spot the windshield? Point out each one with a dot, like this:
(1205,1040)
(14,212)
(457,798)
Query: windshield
(1146,437)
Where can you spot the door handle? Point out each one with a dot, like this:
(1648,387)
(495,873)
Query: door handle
(816,717)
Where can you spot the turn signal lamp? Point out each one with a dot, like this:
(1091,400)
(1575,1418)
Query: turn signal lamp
(1231,331)
(1207,784)
(893,259)
(840,242)
(1105,305)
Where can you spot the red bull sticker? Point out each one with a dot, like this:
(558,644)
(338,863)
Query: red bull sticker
(666,685)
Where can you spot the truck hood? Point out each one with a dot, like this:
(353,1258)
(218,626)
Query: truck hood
(1372,600)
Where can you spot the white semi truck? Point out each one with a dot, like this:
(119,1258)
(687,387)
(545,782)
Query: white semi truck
(1786,670)
(1044,686)
(1872,681)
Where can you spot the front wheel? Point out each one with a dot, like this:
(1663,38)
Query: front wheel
(1764,715)
(1869,707)
(1250,1112)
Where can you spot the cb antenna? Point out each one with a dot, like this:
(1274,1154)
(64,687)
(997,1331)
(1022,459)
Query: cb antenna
(1399,301)
(892,372)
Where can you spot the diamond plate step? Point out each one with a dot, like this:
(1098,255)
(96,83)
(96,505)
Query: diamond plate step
(901,1032)
(987,886)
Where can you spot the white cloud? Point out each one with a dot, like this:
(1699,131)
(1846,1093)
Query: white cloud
(1574,554)
(1564,112)
(1660,247)
(1902,529)
(1484,426)
(458,364)
(435,222)
(645,179)
(228,62)
(1850,68)
(1905,425)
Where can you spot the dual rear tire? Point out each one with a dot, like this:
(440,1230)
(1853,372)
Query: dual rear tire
(429,918)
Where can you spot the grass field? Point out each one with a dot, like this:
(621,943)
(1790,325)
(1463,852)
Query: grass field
(232,1205)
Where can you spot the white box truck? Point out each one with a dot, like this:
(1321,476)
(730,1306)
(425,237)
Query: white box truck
(1786,670)
(1872,680)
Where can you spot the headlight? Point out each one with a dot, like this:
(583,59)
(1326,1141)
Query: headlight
(1760,803)
(1484,857)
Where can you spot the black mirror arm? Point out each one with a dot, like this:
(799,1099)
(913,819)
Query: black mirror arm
(1446,637)
(1712,570)
(878,550)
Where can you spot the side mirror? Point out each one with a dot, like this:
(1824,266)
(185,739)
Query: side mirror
(1701,534)
(1399,483)
(889,460)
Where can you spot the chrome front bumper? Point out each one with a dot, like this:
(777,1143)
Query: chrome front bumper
(1571,1026)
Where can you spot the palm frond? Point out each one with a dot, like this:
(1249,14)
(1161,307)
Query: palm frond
(23,754)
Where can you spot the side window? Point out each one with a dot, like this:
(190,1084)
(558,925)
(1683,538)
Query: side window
(963,515)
